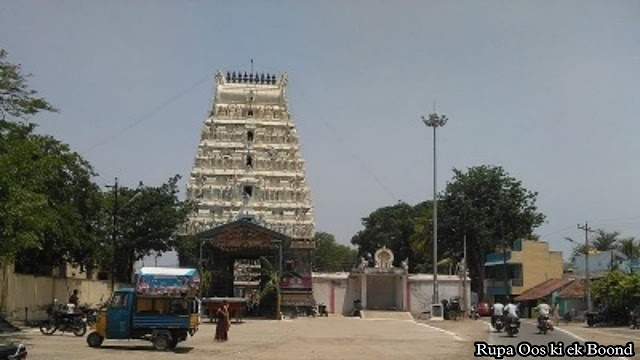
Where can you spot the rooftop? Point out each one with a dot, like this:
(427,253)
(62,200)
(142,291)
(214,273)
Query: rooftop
(543,289)
(575,290)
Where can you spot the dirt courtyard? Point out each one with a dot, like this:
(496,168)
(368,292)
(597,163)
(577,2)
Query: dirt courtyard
(302,338)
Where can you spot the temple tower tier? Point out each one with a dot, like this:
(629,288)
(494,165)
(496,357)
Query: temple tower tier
(249,162)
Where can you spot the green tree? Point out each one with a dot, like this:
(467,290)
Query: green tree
(492,208)
(17,100)
(617,289)
(148,220)
(606,240)
(49,206)
(330,256)
(390,226)
(629,246)
(272,278)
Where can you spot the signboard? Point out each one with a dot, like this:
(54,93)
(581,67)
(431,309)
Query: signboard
(170,282)
(294,283)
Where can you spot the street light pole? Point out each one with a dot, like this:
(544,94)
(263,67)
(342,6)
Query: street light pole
(114,233)
(435,121)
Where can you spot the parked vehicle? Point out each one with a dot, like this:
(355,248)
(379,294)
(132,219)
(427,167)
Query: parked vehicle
(90,315)
(513,327)
(162,309)
(64,320)
(545,325)
(483,309)
(13,352)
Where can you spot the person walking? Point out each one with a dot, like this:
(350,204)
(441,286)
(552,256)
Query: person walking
(556,314)
(224,322)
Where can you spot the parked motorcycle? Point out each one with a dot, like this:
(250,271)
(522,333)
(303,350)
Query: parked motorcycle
(64,321)
(545,325)
(13,352)
(90,315)
(513,327)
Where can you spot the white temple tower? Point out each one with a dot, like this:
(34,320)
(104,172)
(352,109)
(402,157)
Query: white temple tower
(249,161)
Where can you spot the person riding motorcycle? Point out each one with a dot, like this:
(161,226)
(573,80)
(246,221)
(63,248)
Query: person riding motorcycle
(498,312)
(512,312)
(543,312)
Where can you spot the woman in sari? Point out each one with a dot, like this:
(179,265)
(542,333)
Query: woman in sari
(224,322)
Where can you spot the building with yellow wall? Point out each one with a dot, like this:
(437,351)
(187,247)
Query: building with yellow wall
(526,264)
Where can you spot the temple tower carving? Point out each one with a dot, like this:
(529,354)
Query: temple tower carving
(249,161)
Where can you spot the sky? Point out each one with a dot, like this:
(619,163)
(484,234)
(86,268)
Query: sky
(548,90)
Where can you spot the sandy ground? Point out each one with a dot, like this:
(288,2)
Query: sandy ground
(303,338)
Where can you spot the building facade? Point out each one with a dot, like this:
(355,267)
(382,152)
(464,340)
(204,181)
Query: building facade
(527,264)
(249,161)
(384,287)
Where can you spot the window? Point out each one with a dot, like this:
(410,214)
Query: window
(250,136)
(249,161)
(248,191)
(119,300)
(250,113)
(289,265)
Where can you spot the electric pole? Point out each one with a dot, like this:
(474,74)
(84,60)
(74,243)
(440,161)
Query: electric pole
(587,291)
(114,233)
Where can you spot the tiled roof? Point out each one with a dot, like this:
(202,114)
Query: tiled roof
(543,289)
(575,290)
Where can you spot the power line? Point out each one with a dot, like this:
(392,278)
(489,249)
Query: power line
(140,119)
(360,161)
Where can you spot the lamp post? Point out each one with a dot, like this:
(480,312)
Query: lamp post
(434,121)
(464,253)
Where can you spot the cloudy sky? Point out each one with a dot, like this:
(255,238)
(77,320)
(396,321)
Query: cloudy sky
(549,90)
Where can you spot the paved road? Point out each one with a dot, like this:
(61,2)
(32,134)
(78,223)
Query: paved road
(529,333)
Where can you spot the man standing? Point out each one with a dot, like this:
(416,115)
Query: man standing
(74,299)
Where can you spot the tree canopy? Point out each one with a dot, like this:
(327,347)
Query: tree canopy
(484,202)
(51,210)
(330,256)
(17,100)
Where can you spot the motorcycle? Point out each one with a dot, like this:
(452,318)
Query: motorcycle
(498,323)
(544,325)
(90,315)
(513,327)
(64,321)
(13,352)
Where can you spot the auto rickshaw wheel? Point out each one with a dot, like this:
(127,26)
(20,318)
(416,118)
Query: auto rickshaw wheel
(173,343)
(94,340)
(161,342)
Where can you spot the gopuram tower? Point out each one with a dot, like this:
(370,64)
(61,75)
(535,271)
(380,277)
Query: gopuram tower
(249,162)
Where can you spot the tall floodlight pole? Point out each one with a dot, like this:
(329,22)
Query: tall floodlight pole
(434,121)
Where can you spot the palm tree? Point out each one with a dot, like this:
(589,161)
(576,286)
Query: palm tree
(605,240)
(273,279)
(630,247)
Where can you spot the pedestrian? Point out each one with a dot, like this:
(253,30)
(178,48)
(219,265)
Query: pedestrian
(556,314)
(224,322)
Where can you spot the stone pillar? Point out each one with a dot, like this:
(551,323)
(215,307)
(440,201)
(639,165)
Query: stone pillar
(363,293)
(406,305)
